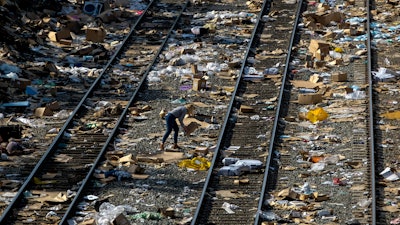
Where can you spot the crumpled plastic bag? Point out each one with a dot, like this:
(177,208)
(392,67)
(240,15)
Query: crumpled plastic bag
(197,163)
(107,213)
(317,114)
(382,74)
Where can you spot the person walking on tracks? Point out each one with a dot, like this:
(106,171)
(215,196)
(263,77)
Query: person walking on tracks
(178,113)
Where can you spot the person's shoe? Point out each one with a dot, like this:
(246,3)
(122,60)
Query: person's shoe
(162,147)
(176,146)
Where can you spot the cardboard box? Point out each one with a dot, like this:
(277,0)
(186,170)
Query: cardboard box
(339,76)
(43,111)
(309,61)
(199,84)
(64,33)
(319,64)
(95,34)
(65,42)
(188,51)
(194,68)
(320,54)
(53,106)
(22,83)
(74,26)
(121,220)
(246,109)
(309,98)
(316,45)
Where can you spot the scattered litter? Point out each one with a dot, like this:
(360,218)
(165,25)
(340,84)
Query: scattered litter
(197,163)
(229,207)
(390,174)
(317,114)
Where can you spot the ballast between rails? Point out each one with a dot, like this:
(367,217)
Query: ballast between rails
(122,118)
(274,135)
(251,49)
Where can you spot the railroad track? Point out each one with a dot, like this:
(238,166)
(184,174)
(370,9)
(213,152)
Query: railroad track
(244,26)
(315,173)
(322,170)
(214,101)
(71,158)
(249,122)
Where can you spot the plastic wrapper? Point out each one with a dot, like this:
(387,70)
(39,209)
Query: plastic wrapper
(197,163)
(230,170)
(317,114)
(269,216)
(228,161)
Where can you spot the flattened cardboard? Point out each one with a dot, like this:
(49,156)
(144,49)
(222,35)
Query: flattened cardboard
(305,84)
(192,127)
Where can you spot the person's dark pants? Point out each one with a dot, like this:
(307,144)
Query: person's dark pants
(171,124)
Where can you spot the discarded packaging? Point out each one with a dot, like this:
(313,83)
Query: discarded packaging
(317,114)
(197,163)
(309,98)
(241,166)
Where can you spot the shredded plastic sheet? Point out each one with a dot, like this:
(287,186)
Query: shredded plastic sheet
(317,114)
(197,163)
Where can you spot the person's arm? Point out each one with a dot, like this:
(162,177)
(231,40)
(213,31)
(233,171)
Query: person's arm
(181,117)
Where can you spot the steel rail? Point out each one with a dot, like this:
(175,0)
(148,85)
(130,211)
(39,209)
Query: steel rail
(222,134)
(274,137)
(371,114)
(56,141)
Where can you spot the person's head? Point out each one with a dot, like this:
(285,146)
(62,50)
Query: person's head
(190,109)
